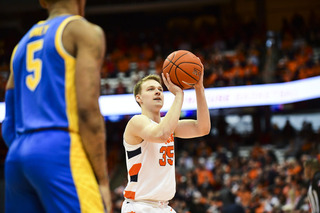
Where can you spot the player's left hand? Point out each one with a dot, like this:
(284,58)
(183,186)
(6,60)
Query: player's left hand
(174,89)
(200,82)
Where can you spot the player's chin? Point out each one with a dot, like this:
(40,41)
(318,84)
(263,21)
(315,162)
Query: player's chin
(159,104)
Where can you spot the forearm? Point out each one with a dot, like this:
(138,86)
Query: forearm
(170,121)
(92,132)
(203,115)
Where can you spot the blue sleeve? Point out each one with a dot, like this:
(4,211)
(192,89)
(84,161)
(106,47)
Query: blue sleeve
(8,124)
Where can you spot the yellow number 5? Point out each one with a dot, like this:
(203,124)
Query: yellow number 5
(34,65)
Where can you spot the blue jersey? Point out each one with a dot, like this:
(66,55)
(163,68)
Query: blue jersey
(44,79)
(47,170)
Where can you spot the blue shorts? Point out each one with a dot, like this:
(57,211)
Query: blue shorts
(48,171)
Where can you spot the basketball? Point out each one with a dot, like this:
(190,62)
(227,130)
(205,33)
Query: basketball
(183,66)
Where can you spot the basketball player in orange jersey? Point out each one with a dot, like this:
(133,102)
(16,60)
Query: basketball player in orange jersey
(53,126)
(149,144)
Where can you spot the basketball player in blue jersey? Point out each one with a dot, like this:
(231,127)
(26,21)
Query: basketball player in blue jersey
(312,173)
(149,144)
(53,127)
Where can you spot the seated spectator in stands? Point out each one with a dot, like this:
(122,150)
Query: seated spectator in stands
(121,88)
(204,176)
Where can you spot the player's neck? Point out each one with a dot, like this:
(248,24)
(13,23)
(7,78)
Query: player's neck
(59,10)
(155,116)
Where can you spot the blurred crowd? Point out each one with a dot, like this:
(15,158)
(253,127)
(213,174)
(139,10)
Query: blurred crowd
(299,53)
(234,53)
(238,53)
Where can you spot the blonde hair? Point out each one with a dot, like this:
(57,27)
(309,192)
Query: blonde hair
(137,87)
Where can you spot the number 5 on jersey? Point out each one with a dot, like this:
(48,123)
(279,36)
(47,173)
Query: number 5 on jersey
(167,152)
(34,65)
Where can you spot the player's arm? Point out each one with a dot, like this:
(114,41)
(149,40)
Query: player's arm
(89,48)
(141,128)
(90,44)
(189,128)
(8,124)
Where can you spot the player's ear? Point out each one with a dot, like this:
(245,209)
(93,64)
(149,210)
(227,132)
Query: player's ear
(138,99)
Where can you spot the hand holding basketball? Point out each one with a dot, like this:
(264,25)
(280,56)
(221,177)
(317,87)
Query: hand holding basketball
(173,88)
(184,68)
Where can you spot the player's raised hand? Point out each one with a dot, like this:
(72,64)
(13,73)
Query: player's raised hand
(174,89)
(200,82)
